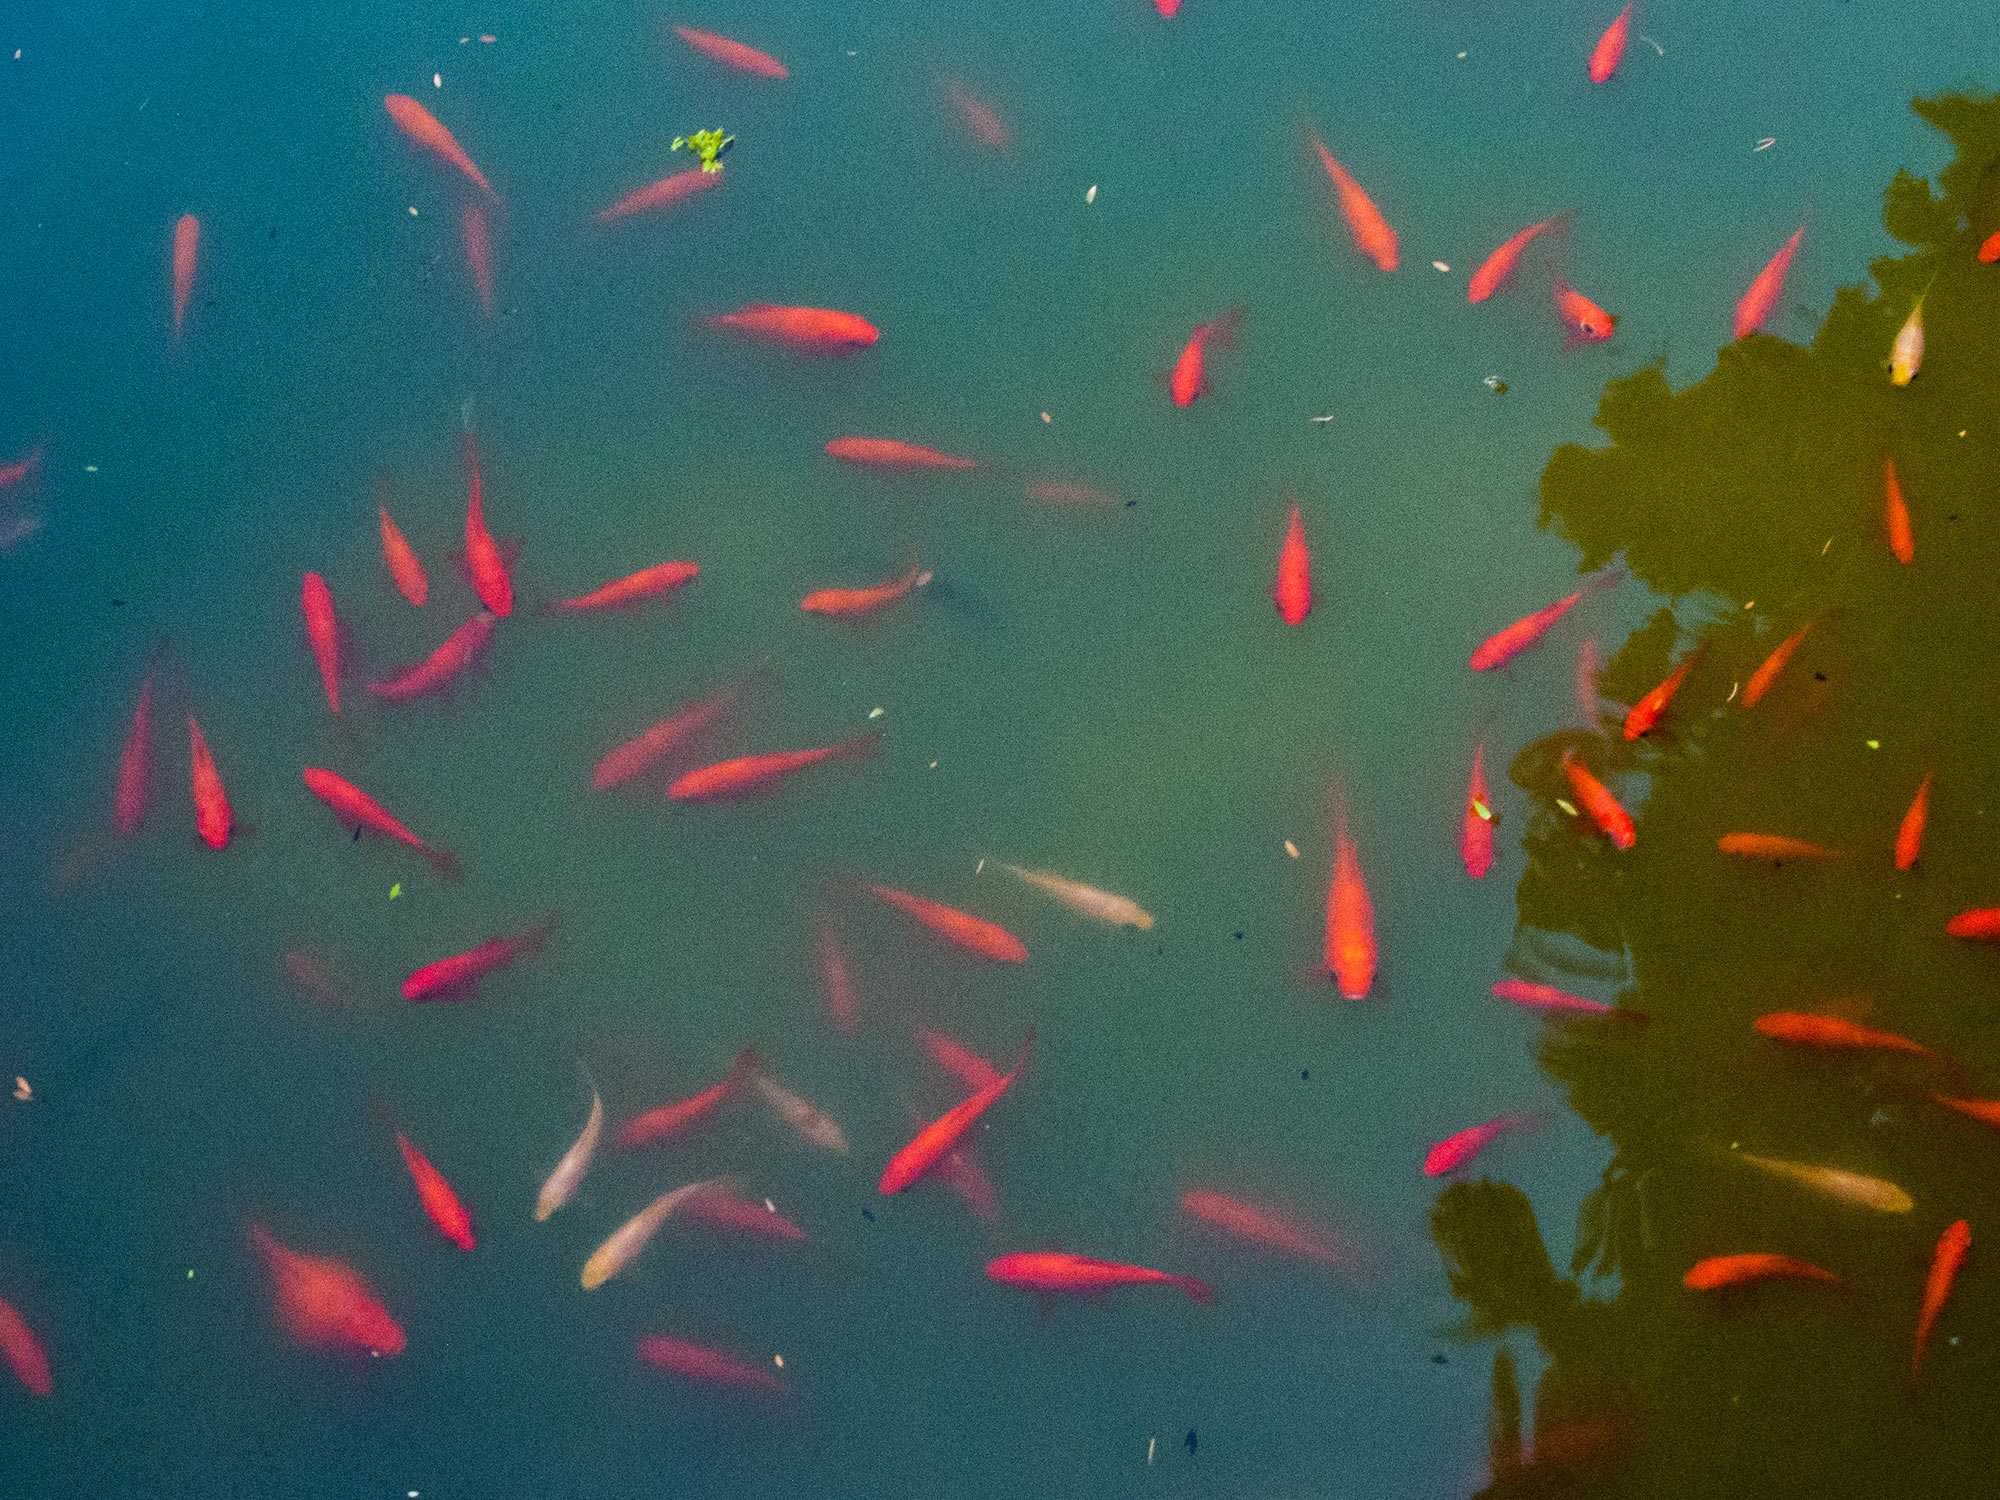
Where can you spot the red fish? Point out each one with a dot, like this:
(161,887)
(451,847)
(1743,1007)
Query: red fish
(1167,8)
(1805,1030)
(482,554)
(836,979)
(187,244)
(213,818)
(1980,925)
(323,1303)
(1186,381)
(1349,953)
(662,194)
(1910,835)
(974,934)
(809,330)
(1052,1271)
(456,978)
(672,1119)
(750,775)
(1723,1272)
(909,1165)
(968,1067)
(440,1202)
(893,453)
(322,634)
(849,603)
(1456,1151)
(647,583)
(442,665)
(732,54)
(1985,1111)
(1261,1226)
(1372,234)
(1294,591)
(1499,649)
(477,235)
(1546,997)
(1475,835)
(638,753)
(711,1367)
(1763,294)
(1767,673)
(1649,710)
(352,805)
(1896,515)
(1588,323)
(1989,249)
(1605,810)
(23,1352)
(402,563)
(421,126)
(135,759)
(979,117)
(1610,47)
(720,1211)
(1495,270)
(1952,1246)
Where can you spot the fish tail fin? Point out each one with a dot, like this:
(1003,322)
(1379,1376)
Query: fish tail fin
(1606,578)
(444,861)
(1224,327)
(861,747)
(743,1068)
(1195,1287)
(1021,1062)
(538,933)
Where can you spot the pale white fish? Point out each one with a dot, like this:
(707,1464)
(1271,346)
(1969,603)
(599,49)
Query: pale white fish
(1086,899)
(630,1238)
(1906,355)
(568,1175)
(1847,1187)
(807,1119)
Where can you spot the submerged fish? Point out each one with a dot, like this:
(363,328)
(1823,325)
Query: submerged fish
(750,774)
(1503,646)
(1774,846)
(1456,1151)
(353,806)
(1723,1272)
(323,1303)
(1293,592)
(401,560)
(455,978)
(813,1124)
(1896,515)
(1349,953)
(1605,810)
(1187,381)
(1052,1271)
(662,194)
(638,753)
(1546,997)
(24,1353)
(1649,710)
(187,242)
(1495,270)
(441,1205)
(648,583)
(1475,834)
(738,55)
(959,928)
(1842,1186)
(1266,1228)
(1087,900)
(1587,322)
(1767,673)
(894,453)
(563,1182)
(421,126)
(435,671)
(808,330)
(709,1366)
(671,1119)
(1906,355)
(1372,235)
(910,1164)
(851,603)
(1950,1254)
(214,819)
(1805,1030)
(626,1241)
(1763,293)
(1610,48)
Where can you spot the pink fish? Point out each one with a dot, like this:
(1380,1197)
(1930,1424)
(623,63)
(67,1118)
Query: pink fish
(1456,1151)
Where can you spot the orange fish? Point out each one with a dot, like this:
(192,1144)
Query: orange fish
(23,1352)
(440,1202)
(1722,1272)
(1896,515)
(893,453)
(1985,1111)
(1649,710)
(809,330)
(1952,1246)
(1186,380)
(836,979)
(1805,1030)
(402,563)
(967,1066)
(1349,952)
(974,934)
(1588,323)
(1605,810)
(1475,835)
(732,54)
(187,244)
(323,1303)
(1610,47)
(482,554)
(1502,647)
(1372,234)
(1766,674)
(1774,846)
(673,1119)
(1981,924)
(322,634)
(1263,1227)
(709,1366)
(352,805)
(1763,294)
(477,236)
(979,117)
(1051,1271)
(135,758)
(442,665)
(456,978)
(641,751)
(213,819)
(421,126)
(910,1164)
(1989,249)
(751,775)
(847,603)
(1910,835)
(662,194)
(647,583)
(1293,592)
(1494,271)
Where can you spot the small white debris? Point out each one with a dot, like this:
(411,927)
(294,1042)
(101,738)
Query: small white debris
(1732,692)
(980,868)
(1438,265)
(90,468)
(1151,1444)
(1291,849)
(1090,193)
(1829,543)
(933,765)
(1461,57)
(1567,806)
(1764,145)
(874,713)
(437,80)
(413,210)
(1653,44)
(778,1360)
(1327,418)
(21,1089)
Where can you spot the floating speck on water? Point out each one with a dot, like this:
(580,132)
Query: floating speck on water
(1291,849)
(1567,806)
(1873,744)
(874,713)
(1438,265)
(1495,384)
(1090,194)
(1765,144)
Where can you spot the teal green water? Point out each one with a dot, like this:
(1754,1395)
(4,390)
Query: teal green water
(1108,694)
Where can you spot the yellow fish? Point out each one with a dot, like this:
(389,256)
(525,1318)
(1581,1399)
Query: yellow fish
(1847,1187)
(1906,355)
(1087,899)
